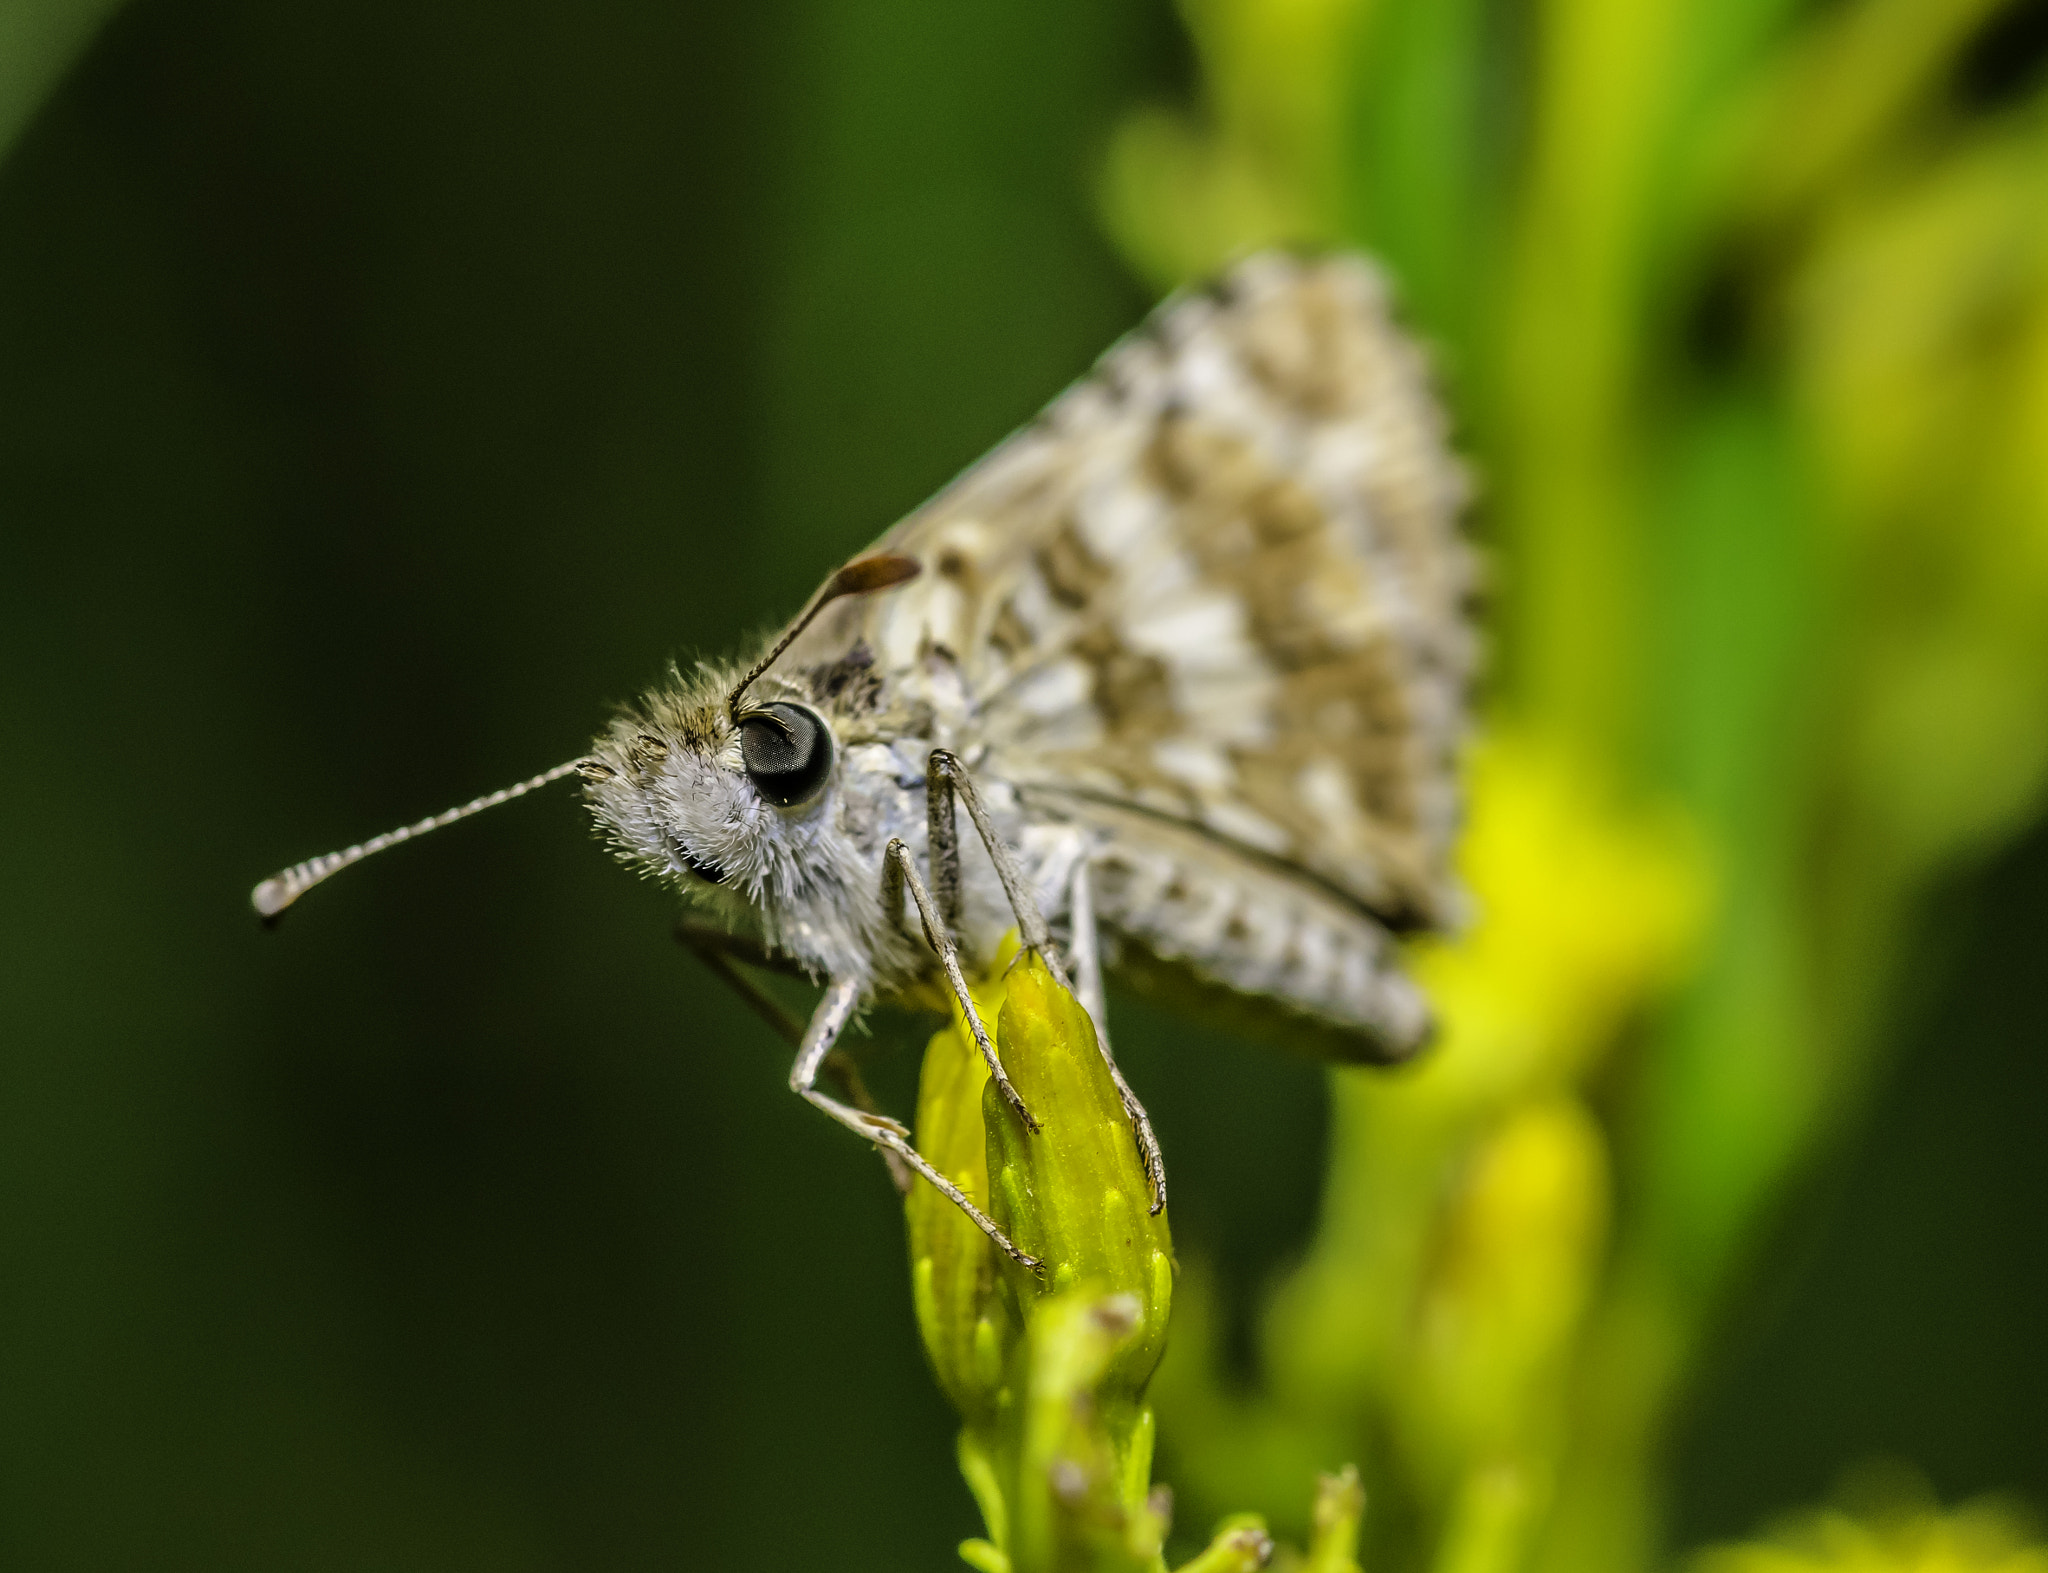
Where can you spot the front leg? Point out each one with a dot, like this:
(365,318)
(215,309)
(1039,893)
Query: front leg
(842,997)
(898,871)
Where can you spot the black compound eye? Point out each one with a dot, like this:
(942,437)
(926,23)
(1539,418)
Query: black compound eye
(788,752)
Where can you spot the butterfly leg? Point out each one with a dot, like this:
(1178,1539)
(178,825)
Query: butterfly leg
(946,777)
(899,870)
(722,953)
(1087,952)
(842,996)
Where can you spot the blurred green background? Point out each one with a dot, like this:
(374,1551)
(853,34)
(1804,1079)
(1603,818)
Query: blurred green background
(385,389)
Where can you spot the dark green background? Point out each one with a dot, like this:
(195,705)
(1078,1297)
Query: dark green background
(386,388)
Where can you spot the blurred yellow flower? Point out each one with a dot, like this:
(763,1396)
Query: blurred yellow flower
(1981,1538)
(1585,911)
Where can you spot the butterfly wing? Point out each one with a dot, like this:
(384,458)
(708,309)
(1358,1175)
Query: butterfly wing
(1212,604)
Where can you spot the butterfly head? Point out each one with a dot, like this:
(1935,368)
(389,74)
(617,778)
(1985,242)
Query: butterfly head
(686,788)
(716,782)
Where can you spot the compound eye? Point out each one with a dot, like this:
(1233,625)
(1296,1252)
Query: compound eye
(788,752)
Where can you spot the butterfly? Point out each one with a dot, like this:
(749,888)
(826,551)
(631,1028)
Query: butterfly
(1192,649)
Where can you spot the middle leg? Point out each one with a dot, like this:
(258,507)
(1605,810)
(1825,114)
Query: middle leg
(947,777)
(1086,945)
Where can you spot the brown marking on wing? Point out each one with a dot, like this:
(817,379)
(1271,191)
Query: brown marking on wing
(1072,575)
(1132,690)
(1009,635)
(1342,698)
(1302,351)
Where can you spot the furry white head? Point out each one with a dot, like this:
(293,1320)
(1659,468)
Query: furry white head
(747,814)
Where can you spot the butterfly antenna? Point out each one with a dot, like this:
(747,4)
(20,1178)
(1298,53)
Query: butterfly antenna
(279,891)
(858,577)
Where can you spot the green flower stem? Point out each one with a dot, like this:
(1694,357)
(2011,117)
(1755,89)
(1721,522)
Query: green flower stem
(1339,1511)
(1048,1370)
(1241,1546)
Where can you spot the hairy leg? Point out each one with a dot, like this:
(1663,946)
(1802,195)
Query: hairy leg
(1087,952)
(842,996)
(899,871)
(945,778)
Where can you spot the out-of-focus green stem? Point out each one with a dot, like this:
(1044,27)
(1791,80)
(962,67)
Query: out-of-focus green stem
(39,39)
(1339,1513)
(1240,1546)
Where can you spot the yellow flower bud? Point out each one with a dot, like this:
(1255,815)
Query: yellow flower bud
(1047,1369)
(1073,1193)
(967,1328)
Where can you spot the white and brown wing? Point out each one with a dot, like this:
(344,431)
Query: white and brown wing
(1213,602)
